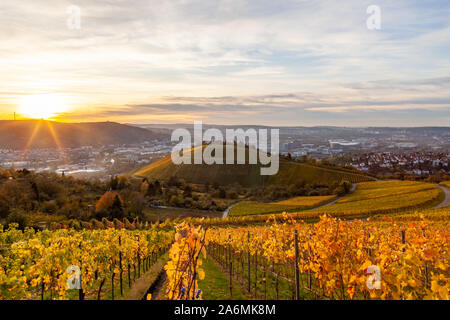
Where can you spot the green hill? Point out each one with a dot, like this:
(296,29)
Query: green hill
(247,175)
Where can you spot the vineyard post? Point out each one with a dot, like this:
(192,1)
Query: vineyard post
(276,283)
(139,257)
(230,267)
(112,283)
(403,240)
(256,270)
(426,265)
(265,280)
(248,259)
(80,290)
(297,277)
(309,261)
(227,251)
(120,266)
(129,276)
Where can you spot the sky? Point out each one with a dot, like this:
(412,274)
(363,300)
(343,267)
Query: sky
(265,62)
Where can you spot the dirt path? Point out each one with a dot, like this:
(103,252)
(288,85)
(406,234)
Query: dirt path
(157,287)
(227,211)
(446,201)
(141,286)
(354,185)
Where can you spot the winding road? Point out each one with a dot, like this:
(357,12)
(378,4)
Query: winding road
(446,201)
(338,198)
(227,211)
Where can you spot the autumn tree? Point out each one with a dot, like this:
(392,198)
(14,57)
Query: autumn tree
(112,203)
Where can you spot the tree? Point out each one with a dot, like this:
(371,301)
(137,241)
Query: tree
(346,185)
(137,204)
(113,183)
(187,193)
(20,217)
(117,208)
(151,192)
(158,187)
(110,202)
(123,182)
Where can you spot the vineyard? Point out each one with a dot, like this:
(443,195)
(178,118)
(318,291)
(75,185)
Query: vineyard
(290,205)
(247,175)
(446,184)
(290,172)
(44,265)
(403,255)
(369,199)
(384,197)
(333,259)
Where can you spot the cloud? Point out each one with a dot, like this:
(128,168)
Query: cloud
(297,58)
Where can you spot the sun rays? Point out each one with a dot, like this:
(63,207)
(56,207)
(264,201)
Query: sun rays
(53,133)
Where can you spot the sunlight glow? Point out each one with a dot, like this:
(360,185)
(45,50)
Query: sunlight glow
(43,106)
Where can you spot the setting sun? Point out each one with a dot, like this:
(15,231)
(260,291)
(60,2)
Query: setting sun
(43,106)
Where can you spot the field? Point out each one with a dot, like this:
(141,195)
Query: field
(290,205)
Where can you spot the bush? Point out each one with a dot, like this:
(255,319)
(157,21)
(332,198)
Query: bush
(19,217)
(118,224)
(49,207)
(232,194)
(175,201)
(86,225)
(108,224)
(97,224)
(75,224)
(54,226)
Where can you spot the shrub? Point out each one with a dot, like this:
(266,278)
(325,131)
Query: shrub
(49,207)
(75,224)
(108,224)
(54,226)
(97,224)
(118,224)
(19,217)
(86,225)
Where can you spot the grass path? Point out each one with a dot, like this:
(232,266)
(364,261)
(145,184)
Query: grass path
(215,286)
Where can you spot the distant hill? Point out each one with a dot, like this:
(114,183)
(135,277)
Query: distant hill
(47,134)
(246,175)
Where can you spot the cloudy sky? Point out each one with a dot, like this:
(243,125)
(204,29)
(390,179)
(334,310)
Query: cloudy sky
(272,62)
